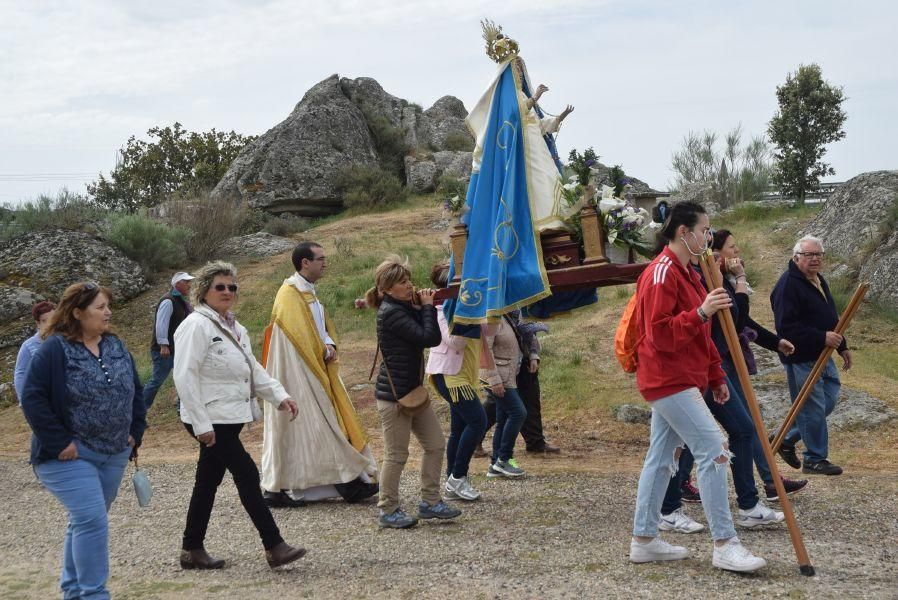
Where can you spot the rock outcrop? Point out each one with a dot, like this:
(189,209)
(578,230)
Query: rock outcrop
(857,226)
(42,264)
(257,245)
(296,165)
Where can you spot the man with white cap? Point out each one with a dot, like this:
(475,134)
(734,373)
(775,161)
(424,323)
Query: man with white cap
(171,310)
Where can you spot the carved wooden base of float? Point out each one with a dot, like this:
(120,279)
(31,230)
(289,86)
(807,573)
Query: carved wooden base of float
(566,267)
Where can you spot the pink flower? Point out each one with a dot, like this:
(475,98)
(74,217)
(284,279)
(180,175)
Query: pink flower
(361,303)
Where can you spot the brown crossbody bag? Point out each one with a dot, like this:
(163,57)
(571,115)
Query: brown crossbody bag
(416,400)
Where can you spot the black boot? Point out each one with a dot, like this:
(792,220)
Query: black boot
(199,559)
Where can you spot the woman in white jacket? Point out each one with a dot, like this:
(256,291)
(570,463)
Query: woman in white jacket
(217,378)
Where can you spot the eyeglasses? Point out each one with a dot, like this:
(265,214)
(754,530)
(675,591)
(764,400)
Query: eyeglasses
(811,254)
(321,258)
(220,287)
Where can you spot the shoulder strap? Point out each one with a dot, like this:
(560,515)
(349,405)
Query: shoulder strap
(387,369)
(230,336)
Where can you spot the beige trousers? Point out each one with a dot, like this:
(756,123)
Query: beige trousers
(397,429)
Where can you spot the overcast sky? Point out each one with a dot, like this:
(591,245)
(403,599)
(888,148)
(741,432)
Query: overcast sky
(78,78)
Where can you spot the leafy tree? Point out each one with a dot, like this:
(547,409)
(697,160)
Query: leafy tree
(738,172)
(177,162)
(810,116)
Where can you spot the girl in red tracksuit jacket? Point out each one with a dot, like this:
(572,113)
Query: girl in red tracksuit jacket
(677,361)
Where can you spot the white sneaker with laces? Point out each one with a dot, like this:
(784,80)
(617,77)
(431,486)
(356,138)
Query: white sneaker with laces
(733,556)
(758,516)
(449,492)
(679,522)
(462,489)
(657,549)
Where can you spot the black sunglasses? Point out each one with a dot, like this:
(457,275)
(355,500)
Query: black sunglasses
(220,287)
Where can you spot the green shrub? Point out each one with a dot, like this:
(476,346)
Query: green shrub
(459,141)
(366,188)
(65,210)
(285,225)
(209,222)
(154,246)
(449,186)
(389,142)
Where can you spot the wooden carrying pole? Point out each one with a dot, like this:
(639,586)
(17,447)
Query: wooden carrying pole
(822,360)
(714,280)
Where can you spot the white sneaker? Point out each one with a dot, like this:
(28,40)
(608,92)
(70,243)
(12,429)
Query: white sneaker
(449,492)
(733,556)
(462,489)
(679,522)
(657,549)
(759,515)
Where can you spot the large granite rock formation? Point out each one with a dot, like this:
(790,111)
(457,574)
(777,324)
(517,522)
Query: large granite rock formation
(857,226)
(295,166)
(41,265)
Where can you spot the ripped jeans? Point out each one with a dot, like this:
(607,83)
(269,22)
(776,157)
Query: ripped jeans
(677,419)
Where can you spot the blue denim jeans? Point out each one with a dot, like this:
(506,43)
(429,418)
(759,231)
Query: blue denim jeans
(86,487)
(810,424)
(162,366)
(467,424)
(510,415)
(684,418)
(760,460)
(740,429)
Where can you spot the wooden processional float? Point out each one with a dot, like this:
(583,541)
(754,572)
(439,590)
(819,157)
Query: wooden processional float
(561,256)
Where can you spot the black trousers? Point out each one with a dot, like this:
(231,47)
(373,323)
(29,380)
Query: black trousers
(532,429)
(227,454)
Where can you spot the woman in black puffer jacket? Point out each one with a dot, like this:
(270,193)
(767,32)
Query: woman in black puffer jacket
(406,325)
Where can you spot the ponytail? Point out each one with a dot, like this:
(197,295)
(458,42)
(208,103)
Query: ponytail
(373,298)
(681,213)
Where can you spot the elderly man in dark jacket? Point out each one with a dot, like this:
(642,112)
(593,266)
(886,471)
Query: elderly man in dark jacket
(805,314)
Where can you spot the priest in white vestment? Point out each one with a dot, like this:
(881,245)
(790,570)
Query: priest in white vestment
(324,452)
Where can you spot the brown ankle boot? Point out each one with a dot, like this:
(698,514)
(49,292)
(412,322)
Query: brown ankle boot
(199,559)
(283,554)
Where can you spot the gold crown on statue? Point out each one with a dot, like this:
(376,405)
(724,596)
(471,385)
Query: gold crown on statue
(499,47)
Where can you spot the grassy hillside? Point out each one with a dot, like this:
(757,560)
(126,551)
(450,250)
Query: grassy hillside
(581,379)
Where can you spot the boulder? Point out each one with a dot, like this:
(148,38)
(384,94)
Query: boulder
(257,245)
(442,126)
(420,175)
(881,271)
(705,193)
(294,166)
(602,177)
(633,413)
(16,324)
(852,217)
(855,409)
(47,262)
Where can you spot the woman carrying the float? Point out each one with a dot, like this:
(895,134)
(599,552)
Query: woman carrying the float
(676,361)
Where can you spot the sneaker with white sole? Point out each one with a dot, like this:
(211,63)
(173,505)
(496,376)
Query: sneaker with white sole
(733,556)
(449,492)
(678,521)
(493,472)
(758,516)
(506,468)
(657,549)
(461,488)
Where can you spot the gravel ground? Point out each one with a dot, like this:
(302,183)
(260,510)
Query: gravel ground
(555,534)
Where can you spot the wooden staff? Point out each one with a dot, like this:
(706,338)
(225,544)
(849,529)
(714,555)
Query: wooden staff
(714,280)
(822,360)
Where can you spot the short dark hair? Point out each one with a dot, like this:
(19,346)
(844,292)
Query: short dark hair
(303,250)
(720,238)
(42,308)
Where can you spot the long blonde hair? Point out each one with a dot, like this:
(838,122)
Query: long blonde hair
(387,274)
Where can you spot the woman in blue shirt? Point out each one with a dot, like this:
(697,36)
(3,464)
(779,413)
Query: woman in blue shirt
(41,312)
(82,398)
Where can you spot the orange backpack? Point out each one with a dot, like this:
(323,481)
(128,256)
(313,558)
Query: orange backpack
(627,338)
